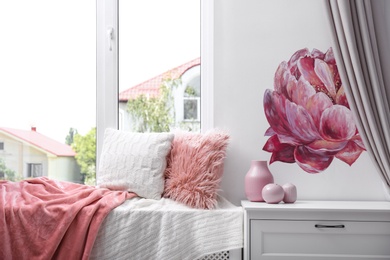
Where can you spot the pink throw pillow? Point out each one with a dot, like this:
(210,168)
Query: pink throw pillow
(195,167)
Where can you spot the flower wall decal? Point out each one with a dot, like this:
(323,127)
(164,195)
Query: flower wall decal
(309,116)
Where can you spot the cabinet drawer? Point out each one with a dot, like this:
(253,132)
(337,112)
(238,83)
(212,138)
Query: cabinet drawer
(293,240)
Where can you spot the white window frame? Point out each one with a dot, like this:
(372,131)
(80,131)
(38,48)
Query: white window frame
(106,70)
(107,67)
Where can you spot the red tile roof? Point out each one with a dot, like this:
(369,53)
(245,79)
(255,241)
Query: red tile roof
(38,140)
(151,86)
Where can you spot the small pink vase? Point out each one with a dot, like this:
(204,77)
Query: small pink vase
(273,193)
(256,178)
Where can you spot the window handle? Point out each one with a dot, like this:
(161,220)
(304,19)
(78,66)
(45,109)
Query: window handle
(110,36)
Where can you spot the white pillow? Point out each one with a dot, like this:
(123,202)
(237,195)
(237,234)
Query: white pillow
(134,162)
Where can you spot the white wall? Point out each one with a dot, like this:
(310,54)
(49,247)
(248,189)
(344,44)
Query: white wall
(64,169)
(251,38)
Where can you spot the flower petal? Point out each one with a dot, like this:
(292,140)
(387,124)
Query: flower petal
(329,57)
(331,61)
(306,68)
(269,132)
(292,63)
(341,98)
(280,151)
(358,140)
(311,162)
(325,75)
(301,92)
(350,153)
(297,55)
(316,105)
(285,154)
(291,84)
(281,79)
(302,126)
(337,124)
(274,108)
(317,54)
(323,147)
(271,144)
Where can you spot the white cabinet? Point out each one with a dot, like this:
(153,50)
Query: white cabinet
(317,230)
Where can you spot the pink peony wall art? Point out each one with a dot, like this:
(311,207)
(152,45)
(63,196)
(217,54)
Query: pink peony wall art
(308,113)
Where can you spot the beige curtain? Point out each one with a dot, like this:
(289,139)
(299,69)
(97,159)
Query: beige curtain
(361,44)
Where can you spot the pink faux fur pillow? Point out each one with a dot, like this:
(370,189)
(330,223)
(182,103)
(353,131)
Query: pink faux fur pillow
(195,167)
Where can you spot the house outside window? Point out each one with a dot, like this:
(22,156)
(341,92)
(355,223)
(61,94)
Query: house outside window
(186,88)
(1,146)
(188,100)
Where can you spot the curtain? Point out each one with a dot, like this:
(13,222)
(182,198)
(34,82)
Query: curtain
(361,41)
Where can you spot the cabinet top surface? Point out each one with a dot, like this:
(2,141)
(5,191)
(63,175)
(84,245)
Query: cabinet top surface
(306,205)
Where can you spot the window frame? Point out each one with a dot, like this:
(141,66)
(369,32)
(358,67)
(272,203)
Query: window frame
(107,105)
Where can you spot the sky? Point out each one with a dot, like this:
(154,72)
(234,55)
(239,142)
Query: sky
(48,56)
(166,36)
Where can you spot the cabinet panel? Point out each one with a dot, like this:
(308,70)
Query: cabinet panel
(282,239)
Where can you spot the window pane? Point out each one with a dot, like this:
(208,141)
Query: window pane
(159,54)
(34,170)
(190,109)
(48,88)
(193,88)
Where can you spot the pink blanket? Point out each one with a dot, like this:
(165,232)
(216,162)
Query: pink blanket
(46,219)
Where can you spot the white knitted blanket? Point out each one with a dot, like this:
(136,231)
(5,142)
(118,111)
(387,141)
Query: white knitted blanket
(163,229)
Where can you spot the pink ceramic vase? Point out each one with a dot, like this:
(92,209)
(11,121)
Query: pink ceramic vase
(273,193)
(290,193)
(256,178)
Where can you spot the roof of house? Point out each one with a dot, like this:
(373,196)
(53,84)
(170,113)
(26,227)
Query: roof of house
(39,141)
(151,86)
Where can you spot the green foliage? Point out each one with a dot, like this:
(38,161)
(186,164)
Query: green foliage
(154,114)
(85,148)
(70,137)
(190,91)
(6,173)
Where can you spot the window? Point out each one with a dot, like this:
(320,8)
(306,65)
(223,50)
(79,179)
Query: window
(110,73)
(1,146)
(52,56)
(48,78)
(34,170)
(156,45)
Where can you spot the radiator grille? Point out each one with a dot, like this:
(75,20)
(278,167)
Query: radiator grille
(224,255)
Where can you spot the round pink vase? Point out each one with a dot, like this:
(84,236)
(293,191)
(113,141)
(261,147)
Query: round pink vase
(290,193)
(273,193)
(256,178)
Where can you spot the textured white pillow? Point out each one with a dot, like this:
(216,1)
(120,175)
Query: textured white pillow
(134,162)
